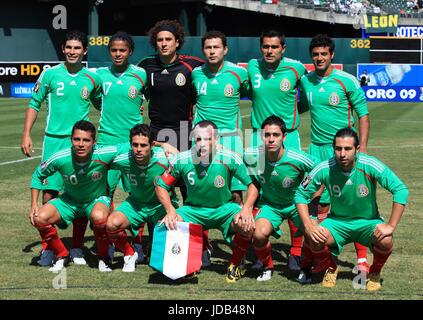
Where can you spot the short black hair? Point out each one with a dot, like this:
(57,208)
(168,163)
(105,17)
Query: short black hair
(76,35)
(122,36)
(141,130)
(274,120)
(84,125)
(272,34)
(214,34)
(322,40)
(346,133)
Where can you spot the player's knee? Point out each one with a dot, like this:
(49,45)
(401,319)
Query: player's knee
(99,216)
(386,244)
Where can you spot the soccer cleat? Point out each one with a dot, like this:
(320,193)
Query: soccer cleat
(257,265)
(373,282)
(206,258)
(140,253)
(304,277)
(59,264)
(46,258)
(105,264)
(129,262)
(234,273)
(329,280)
(111,251)
(294,263)
(77,256)
(266,275)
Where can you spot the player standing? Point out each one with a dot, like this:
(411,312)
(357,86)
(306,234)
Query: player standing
(219,85)
(68,89)
(273,83)
(332,96)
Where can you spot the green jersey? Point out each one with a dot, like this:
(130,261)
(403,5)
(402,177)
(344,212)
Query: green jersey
(68,97)
(207,185)
(83,182)
(121,102)
(274,92)
(331,101)
(142,178)
(218,95)
(278,180)
(352,194)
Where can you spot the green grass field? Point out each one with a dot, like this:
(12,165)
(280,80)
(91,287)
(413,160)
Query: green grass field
(396,138)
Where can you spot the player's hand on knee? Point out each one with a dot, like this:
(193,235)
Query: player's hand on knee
(317,234)
(382,231)
(170,220)
(33,214)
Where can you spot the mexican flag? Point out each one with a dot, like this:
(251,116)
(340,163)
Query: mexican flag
(177,253)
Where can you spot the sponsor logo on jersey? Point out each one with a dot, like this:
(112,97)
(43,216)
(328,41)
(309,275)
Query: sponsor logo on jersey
(306,181)
(285,85)
(333,99)
(287,182)
(72,83)
(275,173)
(363,190)
(132,92)
(229,90)
(84,93)
(180,79)
(165,71)
(219,182)
(176,249)
(96,176)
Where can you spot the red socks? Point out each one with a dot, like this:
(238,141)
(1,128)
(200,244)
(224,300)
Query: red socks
(78,232)
(138,238)
(379,259)
(120,239)
(265,255)
(324,256)
(361,251)
(296,242)
(241,245)
(307,257)
(50,236)
(101,238)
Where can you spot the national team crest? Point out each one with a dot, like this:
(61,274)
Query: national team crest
(180,79)
(333,99)
(132,92)
(176,249)
(219,182)
(285,85)
(96,176)
(229,90)
(363,190)
(84,93)
(287,182)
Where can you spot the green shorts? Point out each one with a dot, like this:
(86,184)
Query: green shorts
(140,213)
(277,215)
(212,218)
(233,142)
(69,210)
(292,139)
(51,145)
(322,152)
(347,231)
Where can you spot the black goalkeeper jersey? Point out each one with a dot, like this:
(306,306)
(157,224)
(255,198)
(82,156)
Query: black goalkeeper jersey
(169,90)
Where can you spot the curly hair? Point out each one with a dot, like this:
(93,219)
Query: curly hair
(172,26)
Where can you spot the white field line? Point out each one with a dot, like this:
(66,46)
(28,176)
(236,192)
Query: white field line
(8,147)
(20,160)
